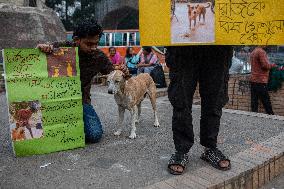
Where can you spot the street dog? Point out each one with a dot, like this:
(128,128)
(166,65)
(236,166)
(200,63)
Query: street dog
(196,11)
(129,94)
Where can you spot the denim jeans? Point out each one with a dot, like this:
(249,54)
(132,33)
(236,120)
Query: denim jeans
(145,70)
(92,124)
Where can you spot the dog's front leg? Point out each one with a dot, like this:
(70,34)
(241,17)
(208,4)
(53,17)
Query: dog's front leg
(121,111)
(134,116)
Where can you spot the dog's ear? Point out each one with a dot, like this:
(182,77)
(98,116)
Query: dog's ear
(109,76)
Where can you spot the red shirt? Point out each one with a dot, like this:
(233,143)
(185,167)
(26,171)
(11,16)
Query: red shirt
(260,66)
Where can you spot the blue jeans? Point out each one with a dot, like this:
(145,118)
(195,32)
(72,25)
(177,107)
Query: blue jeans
(92,124)
(145,70)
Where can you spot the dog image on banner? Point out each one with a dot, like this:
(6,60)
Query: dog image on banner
(192,21)
(26,120)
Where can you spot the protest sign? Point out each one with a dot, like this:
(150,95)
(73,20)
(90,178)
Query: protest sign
(44,100)
(215,22)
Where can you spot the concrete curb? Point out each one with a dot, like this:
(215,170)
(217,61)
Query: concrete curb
(254,114)
(251,169)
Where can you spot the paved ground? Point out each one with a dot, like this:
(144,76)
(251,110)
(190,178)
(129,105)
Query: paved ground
(202,32)
(118,162)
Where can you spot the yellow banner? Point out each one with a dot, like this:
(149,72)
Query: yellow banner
(219,22)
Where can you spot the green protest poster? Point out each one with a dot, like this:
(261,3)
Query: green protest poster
(44,100)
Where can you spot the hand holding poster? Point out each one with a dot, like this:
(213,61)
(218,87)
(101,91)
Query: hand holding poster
(216,22)
(44,98)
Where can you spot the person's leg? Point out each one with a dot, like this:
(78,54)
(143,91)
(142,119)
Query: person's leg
(92,124)
(213,91)
(211,83)
(265,99)
(180,93)
(140,70)
(254,97)
(133,71)
(148,69)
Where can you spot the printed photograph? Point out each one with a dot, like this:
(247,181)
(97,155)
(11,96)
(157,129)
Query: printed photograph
(62,63)
(192,21)
(25,120)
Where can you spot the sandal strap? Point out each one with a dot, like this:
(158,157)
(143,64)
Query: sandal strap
(214,156)
(178,159)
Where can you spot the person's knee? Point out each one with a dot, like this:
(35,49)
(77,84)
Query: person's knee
(93,130)
(181,113)
(92,125)
(94,136)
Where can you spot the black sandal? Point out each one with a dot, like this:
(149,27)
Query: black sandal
(180,160)
(214,156)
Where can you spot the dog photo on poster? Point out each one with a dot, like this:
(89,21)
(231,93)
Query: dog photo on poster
(192,21)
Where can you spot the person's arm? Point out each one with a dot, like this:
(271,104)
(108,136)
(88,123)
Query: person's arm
(58,44)
(105,64)
(140,52)
(142,62)
(153,60)
(48,48)
(135,59)
(264,62)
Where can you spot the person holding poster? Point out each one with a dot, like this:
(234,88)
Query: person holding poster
(207,65)
(91,61)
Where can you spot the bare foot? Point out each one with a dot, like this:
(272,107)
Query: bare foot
(177,168)
(224,163)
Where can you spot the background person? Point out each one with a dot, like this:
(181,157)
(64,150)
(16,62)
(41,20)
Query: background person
(115,58)
(132,59)
(260,68)
(148,61)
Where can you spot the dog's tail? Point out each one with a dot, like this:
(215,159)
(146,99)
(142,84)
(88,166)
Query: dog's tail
(209,5)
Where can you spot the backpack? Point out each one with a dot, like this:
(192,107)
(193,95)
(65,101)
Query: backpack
(157,73)
(158,76)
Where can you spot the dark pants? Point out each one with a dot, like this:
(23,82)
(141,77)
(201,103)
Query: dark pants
(133,71)
(259,91)
(207,65)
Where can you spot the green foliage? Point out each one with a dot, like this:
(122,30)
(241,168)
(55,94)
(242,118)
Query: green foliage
(62,7)
(83,13)
(73,11)
(276,78)
(52,3)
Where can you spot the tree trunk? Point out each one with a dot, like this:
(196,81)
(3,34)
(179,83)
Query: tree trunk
(66,10)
